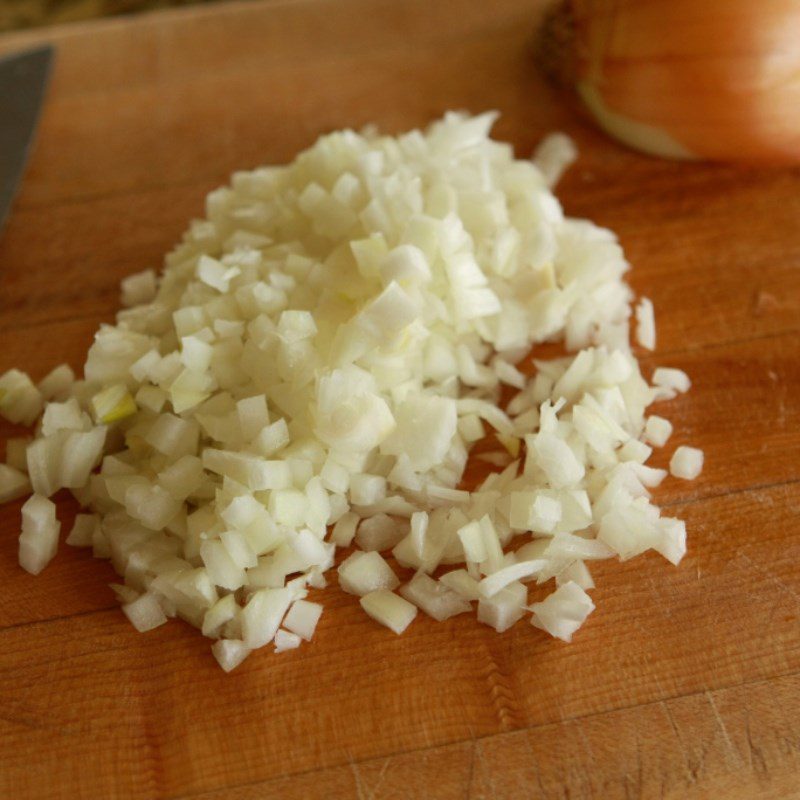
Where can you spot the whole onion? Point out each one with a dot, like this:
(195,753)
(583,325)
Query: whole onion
(692,79)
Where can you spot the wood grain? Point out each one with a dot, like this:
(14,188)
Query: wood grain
(685,683)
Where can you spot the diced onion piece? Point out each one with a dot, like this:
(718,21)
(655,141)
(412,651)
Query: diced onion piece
(344,530)
(419,532)
(302,618)
(284,640)
(145,613)
(221,567)
(446,495)
(13,484)
(189,389)
(124,594)
(335,477)
(554,155)
(491,543)
(646,324)
(263,614)
(557,460)
(196,354)
(253,416)
(255,473)
(380,532)
(230,653)
(425,429)
(390,312)
(434,598)
(462,583)
(657,430)
(669,381)
(222,612)
(242,511)
(113,404)
(534,511)
(62,416)
(648,476)
(38,541)
(471,428)
(288,507)
(472,540)
(568,546)
(57,384)
(671,542)
(562,612)
(388,609)
(634,450)
(497,581)
(139,288)
(44,459)
(239,549)
(367,489)
(508,373)
(502,610)
(173,436)
(151,397)
(406,264)
(311,551)
(686,463)
(20,400)
(214,274)
(362,573)
(511,443)
(153,506)
(182,478)
(80,454)
(578,573)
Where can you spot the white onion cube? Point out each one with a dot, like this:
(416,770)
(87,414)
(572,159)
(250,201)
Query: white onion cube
(262,615)
(230,653)
(389,609)
(502,610)
(13,484)
(302,618)
(145,613)
(38,541)
(434,598)
(362,573)
(686,463)
(562,612)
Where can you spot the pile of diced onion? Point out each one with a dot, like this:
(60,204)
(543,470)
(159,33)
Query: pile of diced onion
(310,372)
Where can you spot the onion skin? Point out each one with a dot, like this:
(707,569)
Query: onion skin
(693,79)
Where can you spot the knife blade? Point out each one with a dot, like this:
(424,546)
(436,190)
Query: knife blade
(23,81)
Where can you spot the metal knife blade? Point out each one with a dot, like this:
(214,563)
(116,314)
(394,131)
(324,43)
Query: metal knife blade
(23,80)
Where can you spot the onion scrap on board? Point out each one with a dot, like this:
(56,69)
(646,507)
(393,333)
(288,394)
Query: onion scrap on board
(310,372)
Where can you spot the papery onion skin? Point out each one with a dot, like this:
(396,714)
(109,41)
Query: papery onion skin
(687,79)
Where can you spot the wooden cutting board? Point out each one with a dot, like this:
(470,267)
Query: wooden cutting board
(685,683)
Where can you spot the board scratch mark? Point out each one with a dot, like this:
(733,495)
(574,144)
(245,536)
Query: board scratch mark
(681,744)
(471,773)
(754,755)
(774,578)
(663,607)
(538,773)
(486,770)
(725,735)
(356,776)
(592,761)
(373,792)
